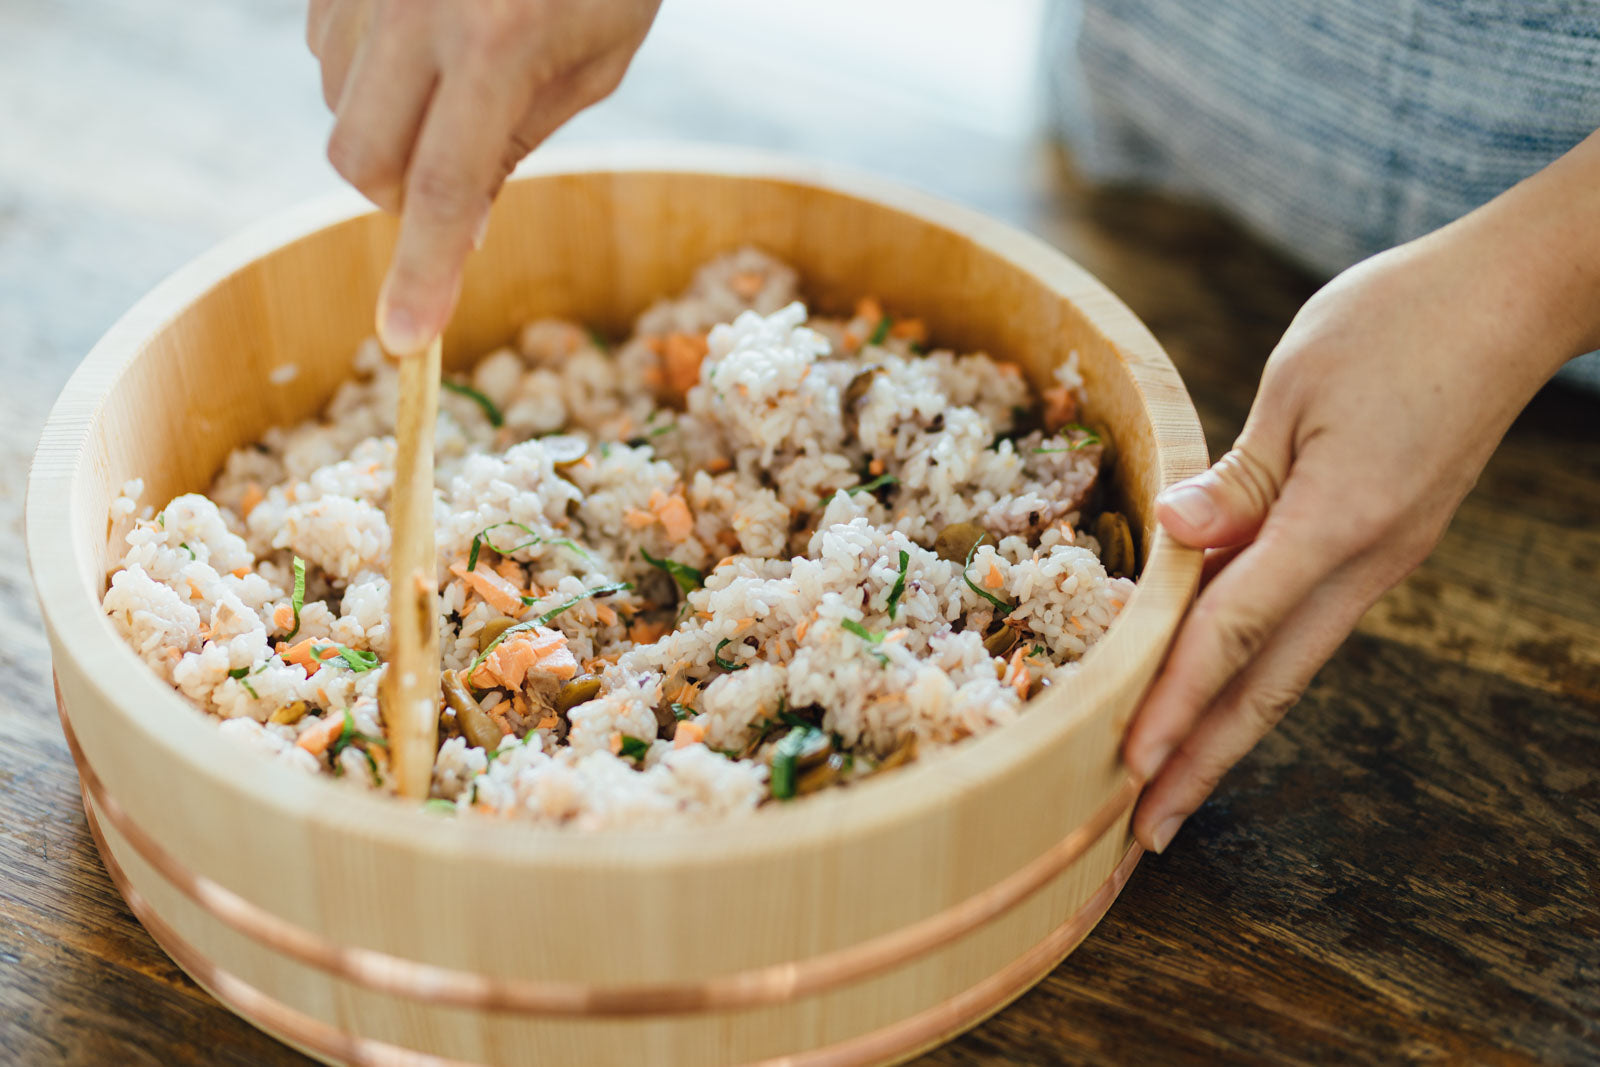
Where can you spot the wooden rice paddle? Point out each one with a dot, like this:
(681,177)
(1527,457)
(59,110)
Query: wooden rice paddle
(409,695)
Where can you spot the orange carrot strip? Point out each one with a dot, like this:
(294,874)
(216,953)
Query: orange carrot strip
(689,732)
(495,590)
(995,579)
(252,496)
(317,738)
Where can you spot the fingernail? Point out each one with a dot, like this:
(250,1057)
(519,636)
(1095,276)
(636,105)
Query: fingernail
(398,330)
(1151,761)
(1165,833)
(1190,503)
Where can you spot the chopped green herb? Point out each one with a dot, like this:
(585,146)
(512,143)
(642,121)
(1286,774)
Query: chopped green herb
(789,718)
(681,711)
(239,673)
(161,519)
(899,584)
(861,631)
(731,753)
(687,578)
(298,599)
(348,736)
(495,418)
(990,597)
(1038,650)
(873,486)
(480,540)
(880,332)
(868,636)
(633,748)
(1089,438)
(439,806)
(546,619)
(185,546)
(726,665)
(786,760)
(598,340)
(358,660)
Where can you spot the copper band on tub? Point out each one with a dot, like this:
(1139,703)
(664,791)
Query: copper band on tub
(876,1046)
(758,986)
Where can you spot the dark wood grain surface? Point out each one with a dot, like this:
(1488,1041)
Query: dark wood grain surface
(1404,871)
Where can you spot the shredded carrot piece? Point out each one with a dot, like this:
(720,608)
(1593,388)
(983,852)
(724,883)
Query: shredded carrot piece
(604,613)
(747,283)
(1020,682)
(615,743)
(240,572)
(912,330)
(638,519)
(301,653)
(852,341)
(995,579)
(875,467)
(495,590)
(1060,407)
(1117,604)
(1008,368)
(681,356)
(252,496)
(510,570)
(868,308)
(1076,622)
(673,511)
(540,649)
(322,695)
(718,464)
(317,738)
(194,589)
(688,733)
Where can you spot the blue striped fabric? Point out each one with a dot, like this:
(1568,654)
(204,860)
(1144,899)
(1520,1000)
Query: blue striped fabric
(1333,128)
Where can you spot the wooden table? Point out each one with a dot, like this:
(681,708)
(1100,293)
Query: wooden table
(1405,870)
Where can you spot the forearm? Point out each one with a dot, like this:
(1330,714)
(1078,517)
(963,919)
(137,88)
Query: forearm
(1532,257)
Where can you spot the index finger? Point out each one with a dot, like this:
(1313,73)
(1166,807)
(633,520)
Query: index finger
(454,172)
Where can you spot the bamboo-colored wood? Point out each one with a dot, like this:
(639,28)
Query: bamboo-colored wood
(187,375)
(409,694)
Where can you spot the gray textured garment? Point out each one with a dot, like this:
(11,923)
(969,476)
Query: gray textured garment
(1333,128)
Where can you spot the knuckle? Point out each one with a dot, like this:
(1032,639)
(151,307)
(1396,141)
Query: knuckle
(1266,706)
(1253,477)
(442,195)
(1239,634)
(356,162)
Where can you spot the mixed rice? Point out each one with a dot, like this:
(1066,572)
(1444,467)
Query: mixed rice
(741,556)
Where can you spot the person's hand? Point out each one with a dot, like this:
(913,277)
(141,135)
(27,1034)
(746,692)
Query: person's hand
(437,101)
(1376,413)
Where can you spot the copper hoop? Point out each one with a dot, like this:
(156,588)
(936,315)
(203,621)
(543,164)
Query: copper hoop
(920,1031)
(758,986)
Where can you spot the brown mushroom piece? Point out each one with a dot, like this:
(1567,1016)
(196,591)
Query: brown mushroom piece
(855,392)
(575,691)
(479,730)
(956,541)
(290,713)
(492,630)
(564,449)
(823,775)
(903,753)
(1002,641)
(1116,544)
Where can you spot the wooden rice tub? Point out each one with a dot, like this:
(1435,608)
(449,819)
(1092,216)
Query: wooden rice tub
(857,926)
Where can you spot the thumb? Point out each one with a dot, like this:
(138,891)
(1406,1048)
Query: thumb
(1227,504)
